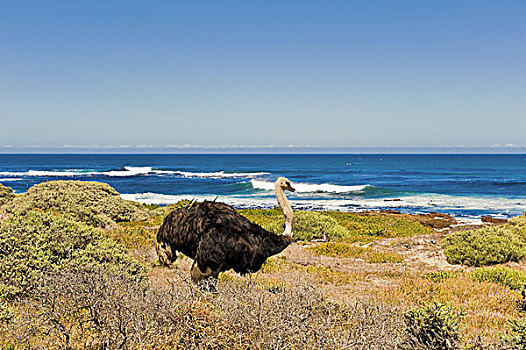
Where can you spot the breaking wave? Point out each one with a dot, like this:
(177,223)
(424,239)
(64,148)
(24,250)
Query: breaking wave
(218,174)
(132,171)
(306,187)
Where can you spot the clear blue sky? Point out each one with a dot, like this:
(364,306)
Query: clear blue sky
(326,73)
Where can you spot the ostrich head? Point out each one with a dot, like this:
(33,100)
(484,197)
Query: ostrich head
(284,184)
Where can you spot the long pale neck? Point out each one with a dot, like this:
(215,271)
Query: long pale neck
(285,209)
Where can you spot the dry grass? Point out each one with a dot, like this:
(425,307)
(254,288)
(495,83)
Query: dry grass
(488,306)
(339,249)
(95,310)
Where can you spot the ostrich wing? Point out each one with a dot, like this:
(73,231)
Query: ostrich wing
(233,241)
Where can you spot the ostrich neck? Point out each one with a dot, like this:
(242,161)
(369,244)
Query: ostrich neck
(286,210)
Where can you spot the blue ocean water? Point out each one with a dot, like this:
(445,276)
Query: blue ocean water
(463,185)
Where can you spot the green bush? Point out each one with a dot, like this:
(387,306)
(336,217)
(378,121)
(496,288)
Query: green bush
(516,340)
(6,194)
(433,326)
(376,257)
(378,225)
(308,225)
(333,224)
(266,218)
(38,243)
(338,249)
(6,313)
(94,203)
(519,221)
(505,276)
(439,276)
(485,246)
(12,346)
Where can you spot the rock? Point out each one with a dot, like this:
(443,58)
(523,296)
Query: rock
(391,211)
(492,220)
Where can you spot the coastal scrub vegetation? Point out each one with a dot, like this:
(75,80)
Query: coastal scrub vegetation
(334,226)
(94,203)
(309,225)
(35,244)
(433,326)
(68,281)
(6,194)
(486,245)
(508,277)
(378,225)
(345,250)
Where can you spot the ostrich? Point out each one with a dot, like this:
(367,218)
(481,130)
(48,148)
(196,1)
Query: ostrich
(218,238)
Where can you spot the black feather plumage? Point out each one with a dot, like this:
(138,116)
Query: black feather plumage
(216,236)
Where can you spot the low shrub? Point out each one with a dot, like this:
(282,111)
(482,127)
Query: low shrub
(133,234)
(485,246)
(376,257)
(6,313)
(12,346)
(94,203)
(340,249)
(95,309)
(6,194)
(518,220)
(274,264)
(505,276)
(433,326)
(439,276)
(308,225)
(35,244)
(378,225)
(266,218)
(517,338)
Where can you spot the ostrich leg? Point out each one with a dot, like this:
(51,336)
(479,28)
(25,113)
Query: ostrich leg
(165,254)
(207,280)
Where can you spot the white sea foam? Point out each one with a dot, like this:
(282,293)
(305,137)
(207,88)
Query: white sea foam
(132,171)
(218,174)
(54,173)
(129,171)
(46,173)
(10,179)
(306,187)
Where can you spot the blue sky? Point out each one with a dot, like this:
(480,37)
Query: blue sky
(323,73)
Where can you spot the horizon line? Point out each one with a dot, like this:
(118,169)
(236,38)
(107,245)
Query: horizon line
(265,149)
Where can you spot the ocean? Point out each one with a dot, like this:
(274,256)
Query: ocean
(466,186)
